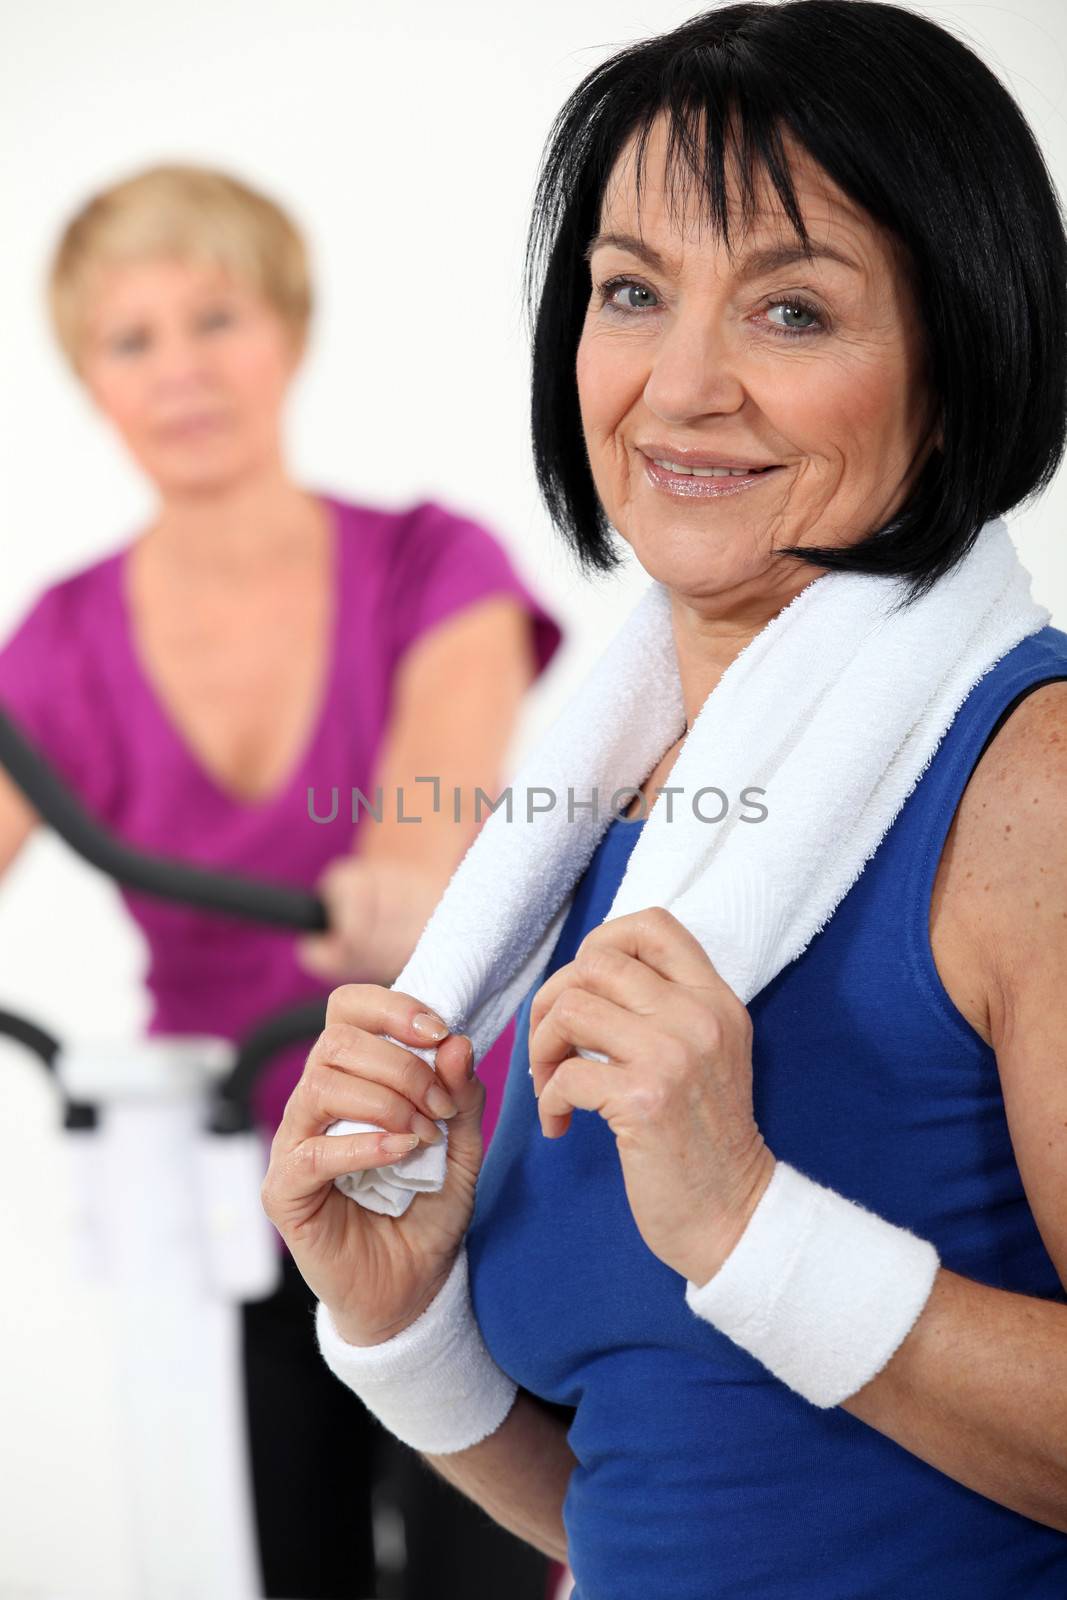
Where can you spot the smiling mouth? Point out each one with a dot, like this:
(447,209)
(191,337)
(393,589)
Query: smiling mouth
(190,427)
(704,482)
(709,472)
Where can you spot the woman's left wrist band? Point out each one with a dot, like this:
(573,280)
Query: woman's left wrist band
(819,1289)
(434,1386)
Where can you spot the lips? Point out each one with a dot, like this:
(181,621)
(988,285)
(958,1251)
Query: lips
(710,472)
(714,482)
(198,423)
(684,460)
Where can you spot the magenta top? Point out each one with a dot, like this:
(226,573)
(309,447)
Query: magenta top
(71,679)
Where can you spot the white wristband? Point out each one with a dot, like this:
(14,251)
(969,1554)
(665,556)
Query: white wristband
(818,1288)
(435,1385)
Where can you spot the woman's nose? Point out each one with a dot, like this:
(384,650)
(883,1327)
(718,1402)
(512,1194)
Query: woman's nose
(179,360)
(694,373)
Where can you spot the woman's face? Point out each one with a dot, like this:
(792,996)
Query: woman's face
(191,367)
(688,358)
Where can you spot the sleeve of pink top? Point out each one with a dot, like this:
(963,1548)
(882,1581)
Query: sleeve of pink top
(443,562)
(48,689)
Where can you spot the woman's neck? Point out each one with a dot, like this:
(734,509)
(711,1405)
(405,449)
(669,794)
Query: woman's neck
(710,636)
(230,530)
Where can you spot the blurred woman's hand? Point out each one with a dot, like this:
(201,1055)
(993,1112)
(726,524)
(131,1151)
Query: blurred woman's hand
(376,907)
(375,1273)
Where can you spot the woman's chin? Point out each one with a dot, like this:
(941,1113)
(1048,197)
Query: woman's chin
(692,569)
(194,473)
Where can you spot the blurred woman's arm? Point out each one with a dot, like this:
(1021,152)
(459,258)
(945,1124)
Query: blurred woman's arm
(456,695)
(17,821)
(519,1474)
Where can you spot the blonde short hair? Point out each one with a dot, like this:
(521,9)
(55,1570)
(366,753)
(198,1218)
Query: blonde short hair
(183,212)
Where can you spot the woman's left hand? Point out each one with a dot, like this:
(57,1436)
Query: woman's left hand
(376,906)
(676,1092)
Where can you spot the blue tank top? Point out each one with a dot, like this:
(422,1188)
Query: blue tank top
(699,1475)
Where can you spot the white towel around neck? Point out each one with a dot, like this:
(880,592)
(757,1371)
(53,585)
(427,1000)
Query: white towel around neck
(834,709)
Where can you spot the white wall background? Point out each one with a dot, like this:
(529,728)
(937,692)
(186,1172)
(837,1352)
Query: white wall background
(405,139)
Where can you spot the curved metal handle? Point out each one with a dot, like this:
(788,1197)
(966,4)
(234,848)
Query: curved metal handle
(231,1102)
(229,893)
(77,1115)
(168,879)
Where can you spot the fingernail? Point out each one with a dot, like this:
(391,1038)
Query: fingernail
(425,1128)
(470,1058)
(395,1144)
(431,1026)
(440,1101)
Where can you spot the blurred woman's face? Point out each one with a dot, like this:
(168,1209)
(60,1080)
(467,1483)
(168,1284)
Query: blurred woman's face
(191,367)
(691,363)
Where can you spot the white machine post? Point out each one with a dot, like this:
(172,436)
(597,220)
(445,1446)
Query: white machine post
(177,1227)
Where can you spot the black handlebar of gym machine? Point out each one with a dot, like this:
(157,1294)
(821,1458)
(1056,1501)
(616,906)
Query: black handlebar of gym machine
(230,894)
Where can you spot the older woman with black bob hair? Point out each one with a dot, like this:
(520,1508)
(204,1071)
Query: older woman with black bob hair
(813,245)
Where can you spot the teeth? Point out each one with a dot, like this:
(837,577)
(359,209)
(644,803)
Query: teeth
(708,472)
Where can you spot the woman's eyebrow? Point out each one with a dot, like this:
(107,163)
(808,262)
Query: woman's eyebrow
(629,242)
(109,327)
(787,255)
(753,265)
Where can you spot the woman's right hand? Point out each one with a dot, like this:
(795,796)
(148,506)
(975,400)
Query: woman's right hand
(374,1273)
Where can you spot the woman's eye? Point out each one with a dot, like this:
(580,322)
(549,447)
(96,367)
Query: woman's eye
(127,344)
(219,318)
(796,317)
(623,294)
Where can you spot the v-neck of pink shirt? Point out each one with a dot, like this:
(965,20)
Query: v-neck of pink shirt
(125,640)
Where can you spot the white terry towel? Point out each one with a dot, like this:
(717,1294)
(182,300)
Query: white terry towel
(834,709)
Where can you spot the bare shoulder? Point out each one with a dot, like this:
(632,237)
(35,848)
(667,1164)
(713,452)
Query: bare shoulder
(493,630)
(1008,843)
(1007,902)
(1006,831)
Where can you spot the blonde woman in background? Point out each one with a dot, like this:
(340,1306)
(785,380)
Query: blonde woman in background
(256,639)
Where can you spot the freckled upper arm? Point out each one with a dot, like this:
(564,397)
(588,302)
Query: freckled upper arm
(1019,831)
